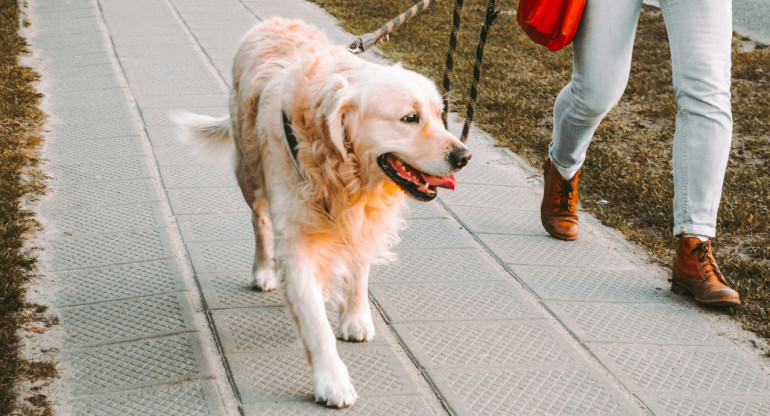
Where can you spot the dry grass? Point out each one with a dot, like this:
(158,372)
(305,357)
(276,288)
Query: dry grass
(629,163)
(20,181)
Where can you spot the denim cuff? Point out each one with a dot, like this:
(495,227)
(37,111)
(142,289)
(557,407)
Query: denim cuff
(694,229)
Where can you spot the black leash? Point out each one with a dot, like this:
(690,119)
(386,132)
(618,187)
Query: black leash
(489,19)
(291,143)
(450,59)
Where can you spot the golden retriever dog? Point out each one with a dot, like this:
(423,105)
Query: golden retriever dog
(327,146)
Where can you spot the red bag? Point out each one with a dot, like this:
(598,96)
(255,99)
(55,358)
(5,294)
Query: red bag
(552,23)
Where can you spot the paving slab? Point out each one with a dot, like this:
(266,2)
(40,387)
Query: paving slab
(125,366)
(148,251)
(194,398)
(115,282)
(551,390)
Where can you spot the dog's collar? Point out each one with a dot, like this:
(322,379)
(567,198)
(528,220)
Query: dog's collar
(290,142)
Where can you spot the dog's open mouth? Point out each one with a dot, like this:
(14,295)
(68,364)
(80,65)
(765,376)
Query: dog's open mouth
(419,185)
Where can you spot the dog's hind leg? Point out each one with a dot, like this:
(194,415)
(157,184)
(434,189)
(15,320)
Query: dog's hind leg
(355,315)
(304,297)
(262,275)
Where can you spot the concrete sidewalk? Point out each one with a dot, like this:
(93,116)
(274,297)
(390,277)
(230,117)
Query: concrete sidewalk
(148,253)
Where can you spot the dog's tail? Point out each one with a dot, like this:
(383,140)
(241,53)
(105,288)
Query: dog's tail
(211,136)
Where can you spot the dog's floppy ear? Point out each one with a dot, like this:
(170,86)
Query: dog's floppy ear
(341,104)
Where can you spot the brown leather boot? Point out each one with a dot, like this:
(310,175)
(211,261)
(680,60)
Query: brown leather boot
(696,272)
(558,212)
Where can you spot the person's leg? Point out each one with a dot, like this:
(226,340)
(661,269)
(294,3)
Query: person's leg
(700,35)
(603,46)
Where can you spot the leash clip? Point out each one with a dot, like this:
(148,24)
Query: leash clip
(363,43)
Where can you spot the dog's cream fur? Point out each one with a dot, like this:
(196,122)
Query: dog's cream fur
(319,229)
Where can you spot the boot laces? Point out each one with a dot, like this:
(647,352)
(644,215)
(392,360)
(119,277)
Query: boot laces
(707,260)
(565,195)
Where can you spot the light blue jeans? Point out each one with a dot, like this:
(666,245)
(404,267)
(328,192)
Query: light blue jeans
(700,34)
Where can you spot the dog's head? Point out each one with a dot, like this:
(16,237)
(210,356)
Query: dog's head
(390,118)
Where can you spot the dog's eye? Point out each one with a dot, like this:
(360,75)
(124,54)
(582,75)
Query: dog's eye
(411,118)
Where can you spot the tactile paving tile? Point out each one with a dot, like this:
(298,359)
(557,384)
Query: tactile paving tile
(69,151)
(197,176)
(136,72)
(269,329)
(182,155)
(484,344)
(137,364)
(185,399)
(82,113)
(108,219)
(562,390)
(178,99)
(64,18)
(144,47)
(442,265)
(98,128)
(100,171)
(163,135)
(677,369)
(490,173)
(223,291)
(548,251)
(569,283)
(131,64)
(635,323)
(98,70)
(101,194)
(207,200)
(74,98)
(73,46)
(493,196)
(83,60)
(187,85)
(213,227)
(109,249)
(417,209)
(500,221)
(126,320)
(256,330)
(433,233)
(172,56)
(453,301)
(286,375)
(390,406)
(222,256)
(69,11)
(86,83)
(125,281)
(683,405)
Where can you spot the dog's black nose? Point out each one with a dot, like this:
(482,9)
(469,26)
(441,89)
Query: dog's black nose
(459,157)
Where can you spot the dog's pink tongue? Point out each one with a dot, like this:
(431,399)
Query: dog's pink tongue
(448,182)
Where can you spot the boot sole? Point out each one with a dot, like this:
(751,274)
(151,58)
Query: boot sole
(557,236)
(680,289)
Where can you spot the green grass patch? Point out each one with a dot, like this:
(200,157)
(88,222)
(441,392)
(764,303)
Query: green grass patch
(20,181)
(629,163)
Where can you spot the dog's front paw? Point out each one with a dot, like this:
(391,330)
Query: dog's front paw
(333,387)
(264,280)
(358,327)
